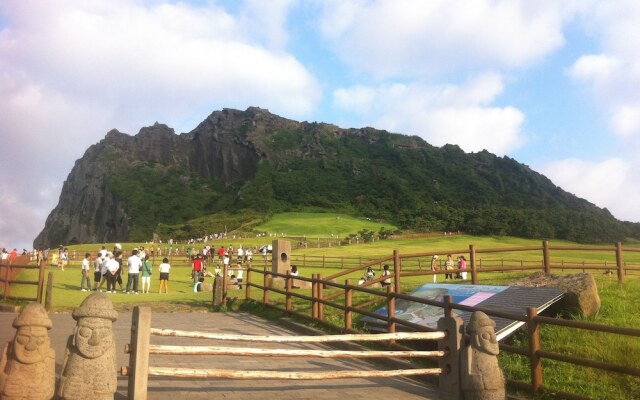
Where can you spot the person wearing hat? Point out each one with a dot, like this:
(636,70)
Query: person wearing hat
(27,366)
(89,369)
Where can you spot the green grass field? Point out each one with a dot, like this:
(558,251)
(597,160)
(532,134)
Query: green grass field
(619,302)
(318,224)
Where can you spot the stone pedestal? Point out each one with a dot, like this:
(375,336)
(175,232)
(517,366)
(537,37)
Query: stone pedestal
(217,291)
(281,257)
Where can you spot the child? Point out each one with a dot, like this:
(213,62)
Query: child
(164,275)
(386,272)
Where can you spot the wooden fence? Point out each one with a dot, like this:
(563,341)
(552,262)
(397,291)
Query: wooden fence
(9,276)
(449,339)
(321,297)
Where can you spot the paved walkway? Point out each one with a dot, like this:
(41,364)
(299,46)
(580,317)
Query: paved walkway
(235,323)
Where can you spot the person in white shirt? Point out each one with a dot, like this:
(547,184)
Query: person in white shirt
(86,277)
(239,277)
(134,264)
(112,271)
(240,255)
(97,272)
(164,275)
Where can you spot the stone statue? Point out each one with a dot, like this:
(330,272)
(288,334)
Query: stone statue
(89,370)
(27,367)
(480,375)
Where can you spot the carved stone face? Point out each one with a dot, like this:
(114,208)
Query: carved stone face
(486,341)
(31,344)
(93,336)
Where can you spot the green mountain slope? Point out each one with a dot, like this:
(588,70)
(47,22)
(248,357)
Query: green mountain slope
(255,162)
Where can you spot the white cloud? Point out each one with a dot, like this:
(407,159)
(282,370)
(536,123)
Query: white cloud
(70,71)
(595,68)
(626,120)
(613,75)
(447,114)
(611,183)
(388,38)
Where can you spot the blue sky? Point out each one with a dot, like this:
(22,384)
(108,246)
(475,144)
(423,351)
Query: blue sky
(552,84)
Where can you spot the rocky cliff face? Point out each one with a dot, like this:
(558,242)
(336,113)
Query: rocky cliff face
(88,211)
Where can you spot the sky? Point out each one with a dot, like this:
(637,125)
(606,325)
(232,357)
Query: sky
(552,84)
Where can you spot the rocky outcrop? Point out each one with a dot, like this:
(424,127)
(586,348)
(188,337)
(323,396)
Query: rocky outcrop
(581,291)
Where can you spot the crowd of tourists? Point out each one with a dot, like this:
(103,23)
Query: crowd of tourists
(107,268)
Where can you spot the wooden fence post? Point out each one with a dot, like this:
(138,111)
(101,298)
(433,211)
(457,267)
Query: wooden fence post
(265,291)
(391,313)
(447,308)
(320,296)
(546,257)
(449,379)
(472,261)
(139,353)
(348,302)
(247,287)
(40,281)
(6,282)
(287,285)
(49,294)
(314,297)
(397,266)
(619,262)
(534,348)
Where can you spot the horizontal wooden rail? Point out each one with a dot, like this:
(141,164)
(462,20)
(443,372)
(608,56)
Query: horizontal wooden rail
(508,249)
(358,268)
(589,248)
(570,323)
(241,351)
(21,282)
(21,298)
(590,363)
(282,375)
(432,253)
(364,337)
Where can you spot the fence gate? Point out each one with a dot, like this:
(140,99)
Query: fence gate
(140,349)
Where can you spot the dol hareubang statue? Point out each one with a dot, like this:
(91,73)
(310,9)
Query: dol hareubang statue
(89,370)
(27,367)
(480,375)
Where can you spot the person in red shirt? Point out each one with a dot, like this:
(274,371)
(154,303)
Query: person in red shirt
(13,254)
(198,267)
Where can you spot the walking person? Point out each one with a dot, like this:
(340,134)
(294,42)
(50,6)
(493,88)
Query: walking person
(164,275)
(86,274)
(146,274)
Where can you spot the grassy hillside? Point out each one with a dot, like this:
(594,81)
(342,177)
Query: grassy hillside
(318,224)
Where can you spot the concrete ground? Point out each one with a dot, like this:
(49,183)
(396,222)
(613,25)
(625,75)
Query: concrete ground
(235,323)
